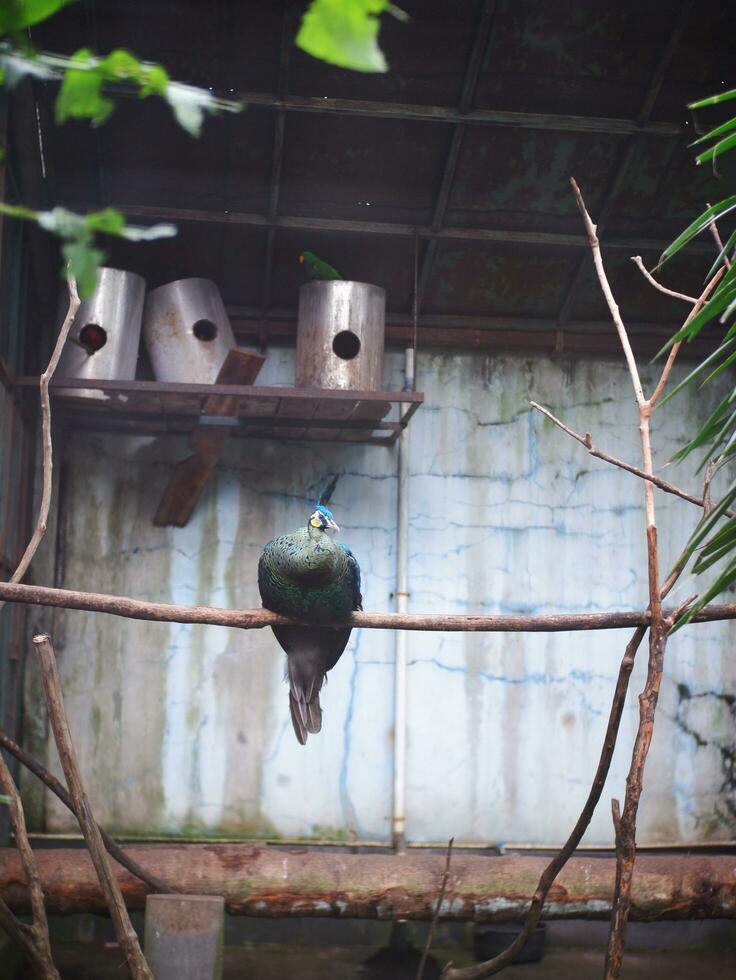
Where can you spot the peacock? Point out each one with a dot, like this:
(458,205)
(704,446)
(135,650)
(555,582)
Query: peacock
(306,574)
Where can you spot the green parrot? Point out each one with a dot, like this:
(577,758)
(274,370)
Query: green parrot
(316,268)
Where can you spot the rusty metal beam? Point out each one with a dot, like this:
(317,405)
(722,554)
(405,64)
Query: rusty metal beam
(281,882)
(389,228)
(470,83)
(448,114)
(626,159)
(497,334)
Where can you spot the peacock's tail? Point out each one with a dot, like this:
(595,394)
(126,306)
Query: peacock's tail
(310,653)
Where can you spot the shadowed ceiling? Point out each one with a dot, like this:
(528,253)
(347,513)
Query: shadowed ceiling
(460,156)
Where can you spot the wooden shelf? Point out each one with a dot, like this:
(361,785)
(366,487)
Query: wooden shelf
(151,407)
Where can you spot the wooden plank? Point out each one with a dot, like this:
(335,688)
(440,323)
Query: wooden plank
(191,475)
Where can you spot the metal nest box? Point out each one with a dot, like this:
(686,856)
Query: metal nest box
(340,335)
(103,340)
(187,331)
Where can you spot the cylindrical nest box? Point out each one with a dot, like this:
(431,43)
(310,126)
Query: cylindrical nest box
(103,340)
(186,331)
(340,335)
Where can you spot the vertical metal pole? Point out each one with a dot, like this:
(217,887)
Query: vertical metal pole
(402,605)
(398,816)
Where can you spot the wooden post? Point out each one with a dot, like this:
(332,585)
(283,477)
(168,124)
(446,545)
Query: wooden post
(184,936)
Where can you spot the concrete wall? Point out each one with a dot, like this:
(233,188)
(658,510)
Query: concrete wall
(186,729)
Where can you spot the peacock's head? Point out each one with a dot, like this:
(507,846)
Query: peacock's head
(323,520)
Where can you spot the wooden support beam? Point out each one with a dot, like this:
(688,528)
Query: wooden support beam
(276,882)
(390,229)
(553,122)
(191,475)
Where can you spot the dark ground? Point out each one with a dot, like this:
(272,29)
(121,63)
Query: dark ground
(324,949)
(77,961)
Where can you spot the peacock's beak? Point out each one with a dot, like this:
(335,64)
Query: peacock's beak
(332,525)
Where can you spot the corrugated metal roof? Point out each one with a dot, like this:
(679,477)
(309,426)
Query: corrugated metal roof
(601,90)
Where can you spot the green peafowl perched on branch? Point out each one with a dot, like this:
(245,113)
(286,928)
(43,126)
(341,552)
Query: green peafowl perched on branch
(307,575)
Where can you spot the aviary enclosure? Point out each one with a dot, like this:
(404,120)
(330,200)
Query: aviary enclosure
(402,271)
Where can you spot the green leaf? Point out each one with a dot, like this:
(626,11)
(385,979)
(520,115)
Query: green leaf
(190,104)
(724,580)
(715,151)
(154,81)
(344,33)
(109,221)
(80,95)
(713,99)
(725,127)
(721,367)
(84,260)
(711,213)
(16,15)
(718,302)
(7,800)
(722,255)
(696,371)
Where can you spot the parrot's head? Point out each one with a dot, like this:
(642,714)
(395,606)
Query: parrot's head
(323,520)
(309,257)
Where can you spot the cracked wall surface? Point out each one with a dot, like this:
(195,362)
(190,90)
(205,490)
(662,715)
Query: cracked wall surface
(185,728)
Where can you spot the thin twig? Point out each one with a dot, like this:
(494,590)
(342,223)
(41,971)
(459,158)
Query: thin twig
(587,441)
(555,866)
(626,847)
(48,456)
(124,931)
(718,240)
(435,917)
(113,849)
(637,260)
(38,946)
(675,349)
(480,971)
(128,608)
(707,502)
(612,304)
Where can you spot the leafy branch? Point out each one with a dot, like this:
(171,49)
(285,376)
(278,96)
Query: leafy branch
(77,233)
(715,543)
(87,80)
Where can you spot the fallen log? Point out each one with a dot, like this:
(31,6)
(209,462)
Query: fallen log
(280,882)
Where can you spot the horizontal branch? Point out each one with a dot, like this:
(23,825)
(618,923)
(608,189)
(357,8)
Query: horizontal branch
(280,882)
(250,619)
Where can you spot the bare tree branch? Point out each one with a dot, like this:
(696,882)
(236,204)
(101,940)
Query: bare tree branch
(114,850)
(637,260)
(626,844)
(35,938)
(249,619)
(608,294)
(587,441)
(675,349)
(719,242)
(48,457)
(124,931)
(435,917)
